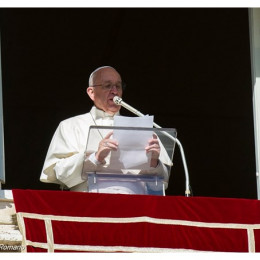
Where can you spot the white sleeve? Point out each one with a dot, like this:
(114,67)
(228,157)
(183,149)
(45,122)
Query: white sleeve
(93,159)
(68,170)
(162,170)
(64,160)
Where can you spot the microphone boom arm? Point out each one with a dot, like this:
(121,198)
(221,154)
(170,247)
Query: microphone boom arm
(117,100)
(187,190)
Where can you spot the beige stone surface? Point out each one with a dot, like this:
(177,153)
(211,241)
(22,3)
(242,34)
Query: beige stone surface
(10,236)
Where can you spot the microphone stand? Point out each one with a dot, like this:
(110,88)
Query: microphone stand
(119,101)
(187,190)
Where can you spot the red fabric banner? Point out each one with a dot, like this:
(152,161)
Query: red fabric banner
(75,221)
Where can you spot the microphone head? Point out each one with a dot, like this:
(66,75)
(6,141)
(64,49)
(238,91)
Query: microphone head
(117,100)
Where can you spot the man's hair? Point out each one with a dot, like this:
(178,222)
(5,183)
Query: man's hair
(92,75)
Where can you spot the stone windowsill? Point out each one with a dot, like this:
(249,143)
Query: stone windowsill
(10,236)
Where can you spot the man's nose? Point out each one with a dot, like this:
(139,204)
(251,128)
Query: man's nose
(114,89)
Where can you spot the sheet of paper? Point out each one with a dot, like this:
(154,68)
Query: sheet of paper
(131,152)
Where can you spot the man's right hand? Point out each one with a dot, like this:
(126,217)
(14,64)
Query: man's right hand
(105,146)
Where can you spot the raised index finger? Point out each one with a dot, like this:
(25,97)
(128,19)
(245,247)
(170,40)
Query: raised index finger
(108,135)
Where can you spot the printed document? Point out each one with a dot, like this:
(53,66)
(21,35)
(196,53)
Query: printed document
(131,152)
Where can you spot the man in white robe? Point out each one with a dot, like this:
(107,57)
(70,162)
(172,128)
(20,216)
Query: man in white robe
(66,154)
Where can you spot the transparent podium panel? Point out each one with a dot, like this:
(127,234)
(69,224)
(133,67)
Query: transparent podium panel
(125,184)
(129,168)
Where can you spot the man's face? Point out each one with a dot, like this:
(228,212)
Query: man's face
(107,83)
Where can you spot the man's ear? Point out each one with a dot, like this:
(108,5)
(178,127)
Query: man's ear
(90,92)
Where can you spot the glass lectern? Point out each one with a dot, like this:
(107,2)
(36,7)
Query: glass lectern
(129,166)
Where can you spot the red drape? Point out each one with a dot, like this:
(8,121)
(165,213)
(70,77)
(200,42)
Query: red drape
(136,223)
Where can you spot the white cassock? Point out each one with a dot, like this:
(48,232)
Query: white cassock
(66,155)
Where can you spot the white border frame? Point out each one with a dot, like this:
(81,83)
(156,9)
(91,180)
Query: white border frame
(2,153)
(254,28)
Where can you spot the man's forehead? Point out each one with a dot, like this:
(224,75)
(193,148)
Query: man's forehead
(111,81)
(107,74)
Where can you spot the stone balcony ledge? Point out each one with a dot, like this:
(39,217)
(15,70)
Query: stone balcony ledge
(10,236)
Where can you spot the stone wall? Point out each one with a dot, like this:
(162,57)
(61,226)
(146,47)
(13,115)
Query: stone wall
(10,236)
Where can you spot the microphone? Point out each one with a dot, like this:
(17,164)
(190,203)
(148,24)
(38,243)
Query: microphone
(118,101)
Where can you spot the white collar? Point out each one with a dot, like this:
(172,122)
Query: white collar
(98,113)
